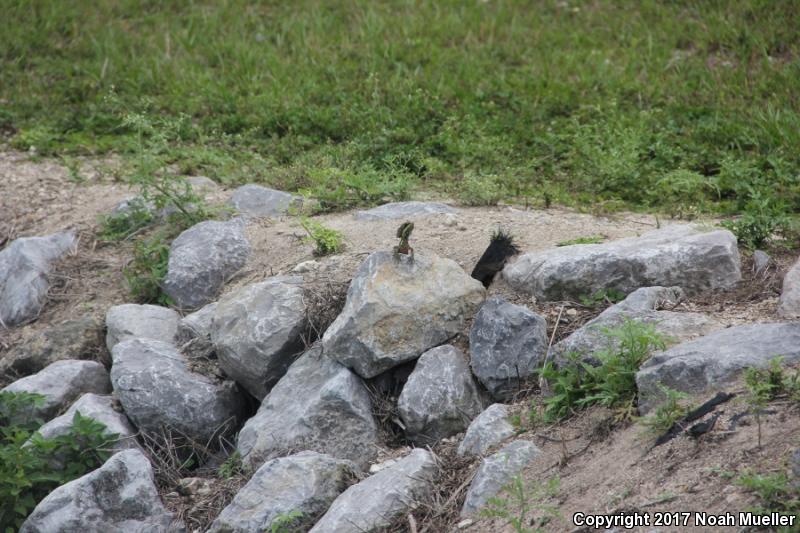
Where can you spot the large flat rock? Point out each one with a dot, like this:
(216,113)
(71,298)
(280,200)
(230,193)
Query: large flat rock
(397,308)
(713,361)
(403,210)
(687,256)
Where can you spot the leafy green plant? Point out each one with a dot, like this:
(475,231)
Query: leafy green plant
(672,409)
(147,269)
(766,384)
(326,240)
(287,522)
(27,471)
(232,466)
(118,226)
(150,173)
(336,189)
(591,239)
(763,218)
(517,501)
(602,297)
(612,383)
(778,494)
(481,190)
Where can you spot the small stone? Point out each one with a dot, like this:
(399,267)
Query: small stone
(450,220)
(490,428)
(571,312)
(464,524)
(256,201)
(306,266)
(761,260)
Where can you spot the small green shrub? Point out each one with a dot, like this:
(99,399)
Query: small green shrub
(232,466)
(672,409)
(336,189)
(119,226)
(762,219)
(517,502)
(27,472)
(612,383)
(592,239)
(288,522)
(147,269)
(477,190)
(778,494)
(326,240)
(602,297)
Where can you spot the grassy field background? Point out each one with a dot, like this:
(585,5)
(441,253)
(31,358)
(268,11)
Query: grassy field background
(678,106)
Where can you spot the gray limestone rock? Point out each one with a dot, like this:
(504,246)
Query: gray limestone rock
(318,405)
(61,383)
(403,210)
(157,390)
(713,361)
(507,344)
(306,482)
(257,201)
(397,308)
(372,504)
(490,428)
(257,332)
(202,259)
(130,321)
(118,497)
(686,256)
(24,266)
(497,471)
(440,397)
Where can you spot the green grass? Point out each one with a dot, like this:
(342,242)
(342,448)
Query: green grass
(591,239)
(611,104)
